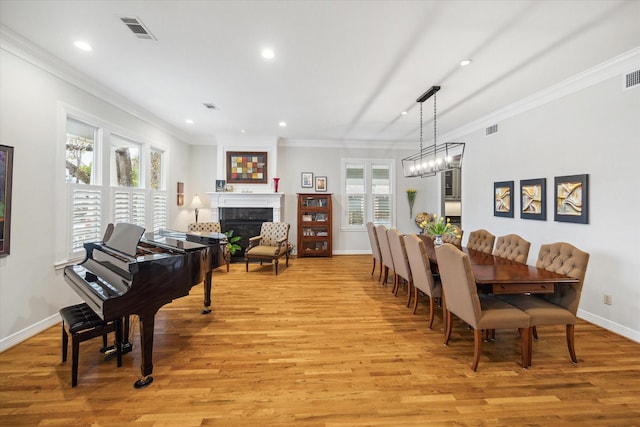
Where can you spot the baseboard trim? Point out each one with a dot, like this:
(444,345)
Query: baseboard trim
(610,326)
(26,333)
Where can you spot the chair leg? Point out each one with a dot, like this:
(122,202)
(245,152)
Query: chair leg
(286,257)
(415,299)
(409,290)
(570,343)
(373,270)
(477,347)
(534,332)
(432,309)
(380,275)
(65,343)
(447,330)
(275,266)
(525,333)
(386,275)
(247,264)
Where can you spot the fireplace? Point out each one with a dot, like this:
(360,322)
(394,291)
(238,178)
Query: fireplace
(244,213)
(246,223)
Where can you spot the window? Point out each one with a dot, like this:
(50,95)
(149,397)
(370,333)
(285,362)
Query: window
(110,181)
(367,185)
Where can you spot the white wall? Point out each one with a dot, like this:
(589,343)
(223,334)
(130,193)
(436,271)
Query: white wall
(31,290)
(594,131)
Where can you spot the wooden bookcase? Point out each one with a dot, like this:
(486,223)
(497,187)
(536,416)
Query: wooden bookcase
(314,224)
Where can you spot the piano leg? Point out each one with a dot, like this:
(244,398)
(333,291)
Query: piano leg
(207,293)
(147,323)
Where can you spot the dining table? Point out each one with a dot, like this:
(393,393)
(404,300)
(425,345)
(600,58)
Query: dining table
(497,275)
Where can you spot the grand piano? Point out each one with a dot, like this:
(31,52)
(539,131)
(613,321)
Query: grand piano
(129,273)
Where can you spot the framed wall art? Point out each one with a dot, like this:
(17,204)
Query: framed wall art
(307,180)
(571,198)
(220,184)
(533,199)
(6,173)
(503,199)
(244,167)
(321,183)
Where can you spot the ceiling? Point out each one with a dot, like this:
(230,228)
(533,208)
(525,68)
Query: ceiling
(343,70)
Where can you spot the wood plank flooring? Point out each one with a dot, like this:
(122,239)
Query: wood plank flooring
(321,344)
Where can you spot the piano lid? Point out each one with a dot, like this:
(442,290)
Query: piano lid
(172,239)
(125,238)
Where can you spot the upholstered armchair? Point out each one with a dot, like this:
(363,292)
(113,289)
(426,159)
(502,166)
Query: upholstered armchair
(512,247)
(271,245)
(211,227)
(481,240)
(400,262)
(385,252)
(421,274)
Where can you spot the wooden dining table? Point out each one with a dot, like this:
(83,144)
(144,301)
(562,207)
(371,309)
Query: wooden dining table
(497,275)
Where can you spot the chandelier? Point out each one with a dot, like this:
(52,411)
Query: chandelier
(435,158)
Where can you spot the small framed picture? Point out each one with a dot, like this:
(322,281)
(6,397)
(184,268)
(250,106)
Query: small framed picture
(220,183)
(533,199)
(502,199)
(307,180)
(571,198)
(321,183)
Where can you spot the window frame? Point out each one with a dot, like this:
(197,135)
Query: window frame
(368,192)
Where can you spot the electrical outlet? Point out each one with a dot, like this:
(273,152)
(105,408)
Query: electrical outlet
(607,299)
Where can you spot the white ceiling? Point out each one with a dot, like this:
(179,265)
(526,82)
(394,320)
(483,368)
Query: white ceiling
(343,70)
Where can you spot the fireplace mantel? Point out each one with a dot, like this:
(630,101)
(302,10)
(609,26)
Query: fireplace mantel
(246,200)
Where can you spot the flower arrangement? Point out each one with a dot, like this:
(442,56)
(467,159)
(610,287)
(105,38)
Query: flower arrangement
(411,196)
(438,227)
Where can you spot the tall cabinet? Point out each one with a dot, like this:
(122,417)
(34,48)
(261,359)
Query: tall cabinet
(314,224)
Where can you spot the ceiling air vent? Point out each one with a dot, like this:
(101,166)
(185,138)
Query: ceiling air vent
(632,79)
(210,106)
(491,130)
(137,27)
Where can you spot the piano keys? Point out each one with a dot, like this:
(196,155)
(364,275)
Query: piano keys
(130,274)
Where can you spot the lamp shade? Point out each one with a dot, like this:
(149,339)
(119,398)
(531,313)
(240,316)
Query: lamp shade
(196,202)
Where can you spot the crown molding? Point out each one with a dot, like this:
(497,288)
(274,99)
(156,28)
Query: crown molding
(24,49)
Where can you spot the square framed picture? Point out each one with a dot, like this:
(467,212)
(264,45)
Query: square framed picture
(306,180)
(533,199)
(220,184)
(503,199)
(244,167)
(321,183)
(571,197)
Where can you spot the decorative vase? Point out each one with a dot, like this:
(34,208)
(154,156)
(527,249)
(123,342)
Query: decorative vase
(438,240)
(276,181)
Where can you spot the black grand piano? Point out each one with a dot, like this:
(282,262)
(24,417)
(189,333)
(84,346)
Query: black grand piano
(129,273)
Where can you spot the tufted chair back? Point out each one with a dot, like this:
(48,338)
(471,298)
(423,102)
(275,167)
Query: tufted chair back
(212,227)
(564,258)
(270,245)
(385,250)
(481,240)
(454,240)
(400,261)
(512,247)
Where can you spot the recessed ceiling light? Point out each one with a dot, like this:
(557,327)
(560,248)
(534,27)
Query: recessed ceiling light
(268,53)
(465,62)
(404,113)
(189,121)
(282,124)
(82,45)
(243,131)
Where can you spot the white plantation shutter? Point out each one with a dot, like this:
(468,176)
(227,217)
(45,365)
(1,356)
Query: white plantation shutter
(86,215)
(129,206)
(159,210)
(368,197)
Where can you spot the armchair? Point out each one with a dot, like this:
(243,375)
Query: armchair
(272,244)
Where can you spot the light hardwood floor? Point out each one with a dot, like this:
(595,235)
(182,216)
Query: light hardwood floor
(322,344)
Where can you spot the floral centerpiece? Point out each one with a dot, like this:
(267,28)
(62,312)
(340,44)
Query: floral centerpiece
(411,196)
(438,227)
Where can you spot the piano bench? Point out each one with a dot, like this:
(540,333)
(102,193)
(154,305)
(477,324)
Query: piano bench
(82,323)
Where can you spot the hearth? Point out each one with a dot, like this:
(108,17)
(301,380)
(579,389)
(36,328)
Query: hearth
(246,223)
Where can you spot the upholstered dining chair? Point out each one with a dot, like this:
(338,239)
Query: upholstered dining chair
(385,252)
(461,296)
(481,240)
(400,262)
(560,307)
(375,248)
(456,239)
(211,227)
(271,245)
(512,247)
(421,274)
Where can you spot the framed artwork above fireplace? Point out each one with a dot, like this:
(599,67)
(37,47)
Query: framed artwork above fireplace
(247,167)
